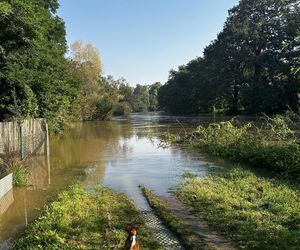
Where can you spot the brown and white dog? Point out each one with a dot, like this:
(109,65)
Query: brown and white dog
(131,243)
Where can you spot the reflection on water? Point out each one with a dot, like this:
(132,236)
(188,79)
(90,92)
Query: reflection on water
(146,163)
(6,201)
(118,154)
(19,205)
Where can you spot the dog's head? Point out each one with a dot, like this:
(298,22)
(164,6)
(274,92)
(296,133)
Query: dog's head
(132,230)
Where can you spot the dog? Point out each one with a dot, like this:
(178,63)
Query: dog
(131,242)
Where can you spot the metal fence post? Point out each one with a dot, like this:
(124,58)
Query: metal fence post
(47,152)
(21,141)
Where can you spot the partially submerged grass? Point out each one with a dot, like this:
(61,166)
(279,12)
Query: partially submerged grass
(190,239)
(272,146)
(254,212)
(82,220)
(11,163)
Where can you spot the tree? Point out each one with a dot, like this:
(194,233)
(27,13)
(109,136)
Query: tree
(85,65)
(140,101)
(33,79)
(183,92)
(252,66)
(153,95)
(266,32)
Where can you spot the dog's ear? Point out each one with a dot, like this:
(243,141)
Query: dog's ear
(128,228)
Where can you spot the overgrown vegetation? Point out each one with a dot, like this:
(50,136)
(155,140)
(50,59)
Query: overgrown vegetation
(190,239)
(256,213)
(11,163)
(251,67)
(292,119)
(272,145)
(82,220)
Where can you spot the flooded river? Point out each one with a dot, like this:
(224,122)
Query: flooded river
(120,154)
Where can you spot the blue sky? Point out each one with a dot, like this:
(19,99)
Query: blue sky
(141,40)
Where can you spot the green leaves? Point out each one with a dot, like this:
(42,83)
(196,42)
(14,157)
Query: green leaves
(33,76)
(5,9)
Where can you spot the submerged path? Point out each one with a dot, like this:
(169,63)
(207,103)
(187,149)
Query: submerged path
(212,238)
(167,239)
(162,234)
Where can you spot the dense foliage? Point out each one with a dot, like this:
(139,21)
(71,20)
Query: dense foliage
(82,220)
(33,79)
(255,212)
(252,66)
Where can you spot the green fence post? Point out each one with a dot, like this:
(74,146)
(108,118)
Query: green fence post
(21,140)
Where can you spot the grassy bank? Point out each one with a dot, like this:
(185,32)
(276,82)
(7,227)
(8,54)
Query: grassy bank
(272,146)
(187,236)
(254,212)
(82,220)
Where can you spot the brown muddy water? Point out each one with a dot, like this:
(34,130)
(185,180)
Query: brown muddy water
(120,154)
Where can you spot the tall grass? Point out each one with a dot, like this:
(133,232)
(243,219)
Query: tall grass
(11,163)
(271,146)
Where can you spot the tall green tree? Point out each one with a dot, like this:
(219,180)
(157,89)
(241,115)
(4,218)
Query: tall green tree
(266,32)
(251,67)
(33,79)
(85,65)
(153,95)
(140,101)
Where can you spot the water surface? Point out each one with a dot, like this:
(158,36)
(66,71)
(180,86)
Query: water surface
(120,154)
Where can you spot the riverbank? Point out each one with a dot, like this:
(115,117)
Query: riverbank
(256,213)
(272,146)
(85,220)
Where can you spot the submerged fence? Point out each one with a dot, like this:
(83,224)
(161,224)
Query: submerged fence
(25,137)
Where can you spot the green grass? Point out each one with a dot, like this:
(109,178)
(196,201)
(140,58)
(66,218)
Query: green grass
(254,212)
(190,239)
(82,220)
(20,174)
